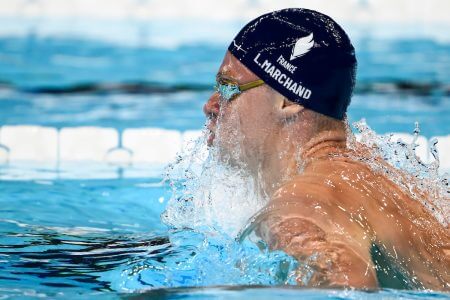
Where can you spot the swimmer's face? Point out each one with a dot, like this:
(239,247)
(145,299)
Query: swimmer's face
(242,129)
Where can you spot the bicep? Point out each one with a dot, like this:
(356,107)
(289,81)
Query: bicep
(325,258)
(331,245)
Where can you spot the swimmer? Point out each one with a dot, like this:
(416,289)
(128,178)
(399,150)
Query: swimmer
(281,98)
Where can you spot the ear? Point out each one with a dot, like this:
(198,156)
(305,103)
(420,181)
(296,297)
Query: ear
(288,110)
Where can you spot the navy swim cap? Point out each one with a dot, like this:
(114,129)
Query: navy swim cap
(302,54)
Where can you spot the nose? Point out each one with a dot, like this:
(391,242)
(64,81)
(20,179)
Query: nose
(212,107)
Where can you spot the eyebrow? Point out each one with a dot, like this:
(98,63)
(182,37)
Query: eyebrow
(223,75)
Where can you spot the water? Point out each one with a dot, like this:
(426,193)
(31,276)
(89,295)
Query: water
(60,237)
(79,238)
(209,196)
(118,243)
(67,82)
(425,177)
(246,292)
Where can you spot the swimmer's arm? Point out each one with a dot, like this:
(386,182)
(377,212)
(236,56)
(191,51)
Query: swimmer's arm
(329,251)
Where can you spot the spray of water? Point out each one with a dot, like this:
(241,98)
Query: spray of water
(214,198)
(421,180)
(209,194)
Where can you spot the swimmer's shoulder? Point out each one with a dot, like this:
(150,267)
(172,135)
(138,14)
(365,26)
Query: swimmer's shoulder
(325,183)
(303,195)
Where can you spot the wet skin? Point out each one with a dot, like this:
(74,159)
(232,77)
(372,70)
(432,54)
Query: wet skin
(332,212)
(338,208)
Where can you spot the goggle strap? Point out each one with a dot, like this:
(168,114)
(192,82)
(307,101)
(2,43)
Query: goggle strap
(251,85)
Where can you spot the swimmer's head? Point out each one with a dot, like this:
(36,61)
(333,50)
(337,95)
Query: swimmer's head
(302,54)
(281,67)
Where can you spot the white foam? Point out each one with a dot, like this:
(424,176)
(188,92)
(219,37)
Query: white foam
(422,150)
(33,143)
(152,145)
(86,143)
(189,137)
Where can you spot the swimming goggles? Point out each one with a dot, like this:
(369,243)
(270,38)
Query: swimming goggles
(229,89)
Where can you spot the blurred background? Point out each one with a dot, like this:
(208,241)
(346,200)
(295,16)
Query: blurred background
(120,84)
(151,63)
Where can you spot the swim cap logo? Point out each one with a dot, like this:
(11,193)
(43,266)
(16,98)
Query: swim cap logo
(302,46)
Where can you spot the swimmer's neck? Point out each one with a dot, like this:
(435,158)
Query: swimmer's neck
(323,144)
(286,161)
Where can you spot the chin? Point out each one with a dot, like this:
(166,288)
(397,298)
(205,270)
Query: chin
(228,147)
(230,156)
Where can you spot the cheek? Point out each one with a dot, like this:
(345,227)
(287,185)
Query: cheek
(245,124)
(256,125)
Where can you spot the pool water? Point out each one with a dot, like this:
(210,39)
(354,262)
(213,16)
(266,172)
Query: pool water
(80,238)
(68,234)
(67,82)
(83,237)
(117,245)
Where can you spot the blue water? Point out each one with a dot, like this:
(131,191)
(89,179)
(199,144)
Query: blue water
(67,82)
(65,236)
(79,238)
(103,238)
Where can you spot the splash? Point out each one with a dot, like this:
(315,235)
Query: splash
(207,193)
(210,203)
(213,202)
(425,178)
